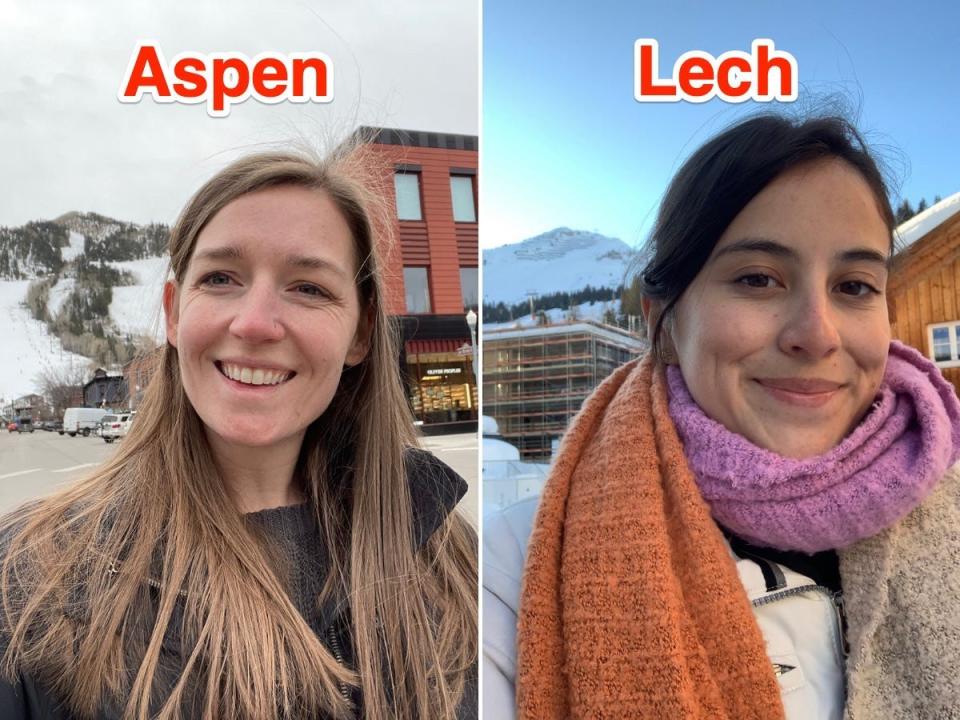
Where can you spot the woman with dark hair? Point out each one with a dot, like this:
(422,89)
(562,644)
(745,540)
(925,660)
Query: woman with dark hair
(268,541)
(758,519)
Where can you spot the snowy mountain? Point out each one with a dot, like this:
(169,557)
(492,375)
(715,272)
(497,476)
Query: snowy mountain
(83,281)
(559,260)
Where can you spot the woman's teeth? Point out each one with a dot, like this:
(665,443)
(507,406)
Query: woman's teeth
(254,376)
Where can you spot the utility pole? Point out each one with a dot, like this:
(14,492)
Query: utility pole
(531,294)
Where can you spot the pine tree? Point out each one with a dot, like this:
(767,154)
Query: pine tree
(904,212)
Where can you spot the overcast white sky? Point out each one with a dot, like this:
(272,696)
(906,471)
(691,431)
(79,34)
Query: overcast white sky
(67,143)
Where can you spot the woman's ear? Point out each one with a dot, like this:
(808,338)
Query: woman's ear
(652,310)
(171,310)
(651,314)
(361,339)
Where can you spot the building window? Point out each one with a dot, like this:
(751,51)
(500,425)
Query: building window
(407,186)
(945,343)
(461,191)
(417,290)
(468,288)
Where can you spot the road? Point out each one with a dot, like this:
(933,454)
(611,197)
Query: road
(34,464)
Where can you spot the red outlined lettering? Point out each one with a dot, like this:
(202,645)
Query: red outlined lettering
(190,72)
(138,79)
(765,74)
(269,78)
(225,79)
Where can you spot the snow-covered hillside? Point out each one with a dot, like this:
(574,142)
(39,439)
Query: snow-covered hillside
(27,350)
(559,260)
(136,308)
(74,248)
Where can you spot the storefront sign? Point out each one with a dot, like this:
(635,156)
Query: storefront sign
(444,371)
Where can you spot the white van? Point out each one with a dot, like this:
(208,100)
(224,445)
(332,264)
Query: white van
(82,420)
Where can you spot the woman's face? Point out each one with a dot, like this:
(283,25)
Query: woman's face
(267,315)
(783,335)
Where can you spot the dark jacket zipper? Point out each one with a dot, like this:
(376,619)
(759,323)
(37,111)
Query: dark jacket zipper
(338,655)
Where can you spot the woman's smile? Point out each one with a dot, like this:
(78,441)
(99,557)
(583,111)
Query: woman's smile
(801,392)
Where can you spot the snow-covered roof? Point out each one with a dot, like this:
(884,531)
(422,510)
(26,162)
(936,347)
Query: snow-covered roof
(607,332)
(922,223)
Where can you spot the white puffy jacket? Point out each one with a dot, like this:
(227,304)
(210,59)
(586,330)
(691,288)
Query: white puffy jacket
(799,620)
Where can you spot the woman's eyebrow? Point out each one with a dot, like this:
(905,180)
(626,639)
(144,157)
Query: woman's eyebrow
(225,252)
(771,247)
(866,255)
(307,262)
(312,262)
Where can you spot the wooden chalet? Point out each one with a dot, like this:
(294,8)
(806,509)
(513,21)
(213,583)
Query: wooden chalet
(924,286)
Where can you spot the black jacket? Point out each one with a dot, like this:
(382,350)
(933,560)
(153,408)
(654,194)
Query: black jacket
(435,490)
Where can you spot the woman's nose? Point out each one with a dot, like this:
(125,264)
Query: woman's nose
(810,328)
(257,317)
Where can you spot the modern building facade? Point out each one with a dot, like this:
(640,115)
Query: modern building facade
(432,271)
(535,379)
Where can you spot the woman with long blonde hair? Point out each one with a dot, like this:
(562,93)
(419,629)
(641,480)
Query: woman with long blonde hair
(267,542)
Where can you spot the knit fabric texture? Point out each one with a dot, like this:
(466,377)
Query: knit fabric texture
(631,605)
(880,472)
(294,535)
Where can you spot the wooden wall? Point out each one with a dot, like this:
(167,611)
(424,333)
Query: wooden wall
(924,288)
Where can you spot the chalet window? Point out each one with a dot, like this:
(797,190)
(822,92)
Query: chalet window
(945,343)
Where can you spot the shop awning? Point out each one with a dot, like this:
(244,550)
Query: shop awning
(440,345)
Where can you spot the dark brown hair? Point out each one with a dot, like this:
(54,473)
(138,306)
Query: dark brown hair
(726,173)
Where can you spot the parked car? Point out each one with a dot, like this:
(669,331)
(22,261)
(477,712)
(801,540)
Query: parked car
(82,421)
(21,425)
(52,426)
(116,426)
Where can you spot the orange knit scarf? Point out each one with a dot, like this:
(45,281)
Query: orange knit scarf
(631,605)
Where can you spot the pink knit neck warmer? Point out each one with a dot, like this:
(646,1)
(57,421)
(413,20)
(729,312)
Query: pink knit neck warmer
(874,477)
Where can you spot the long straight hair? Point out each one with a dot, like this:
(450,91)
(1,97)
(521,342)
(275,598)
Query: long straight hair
(97,576)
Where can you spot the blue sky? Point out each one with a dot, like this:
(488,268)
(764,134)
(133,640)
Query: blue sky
(565,143)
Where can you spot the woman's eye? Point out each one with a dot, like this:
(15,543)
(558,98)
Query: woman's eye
(756,280)
(215,279)
(312,290)
(856,288)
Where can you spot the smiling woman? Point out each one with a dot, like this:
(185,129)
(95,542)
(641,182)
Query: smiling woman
(759,518)
(268,542)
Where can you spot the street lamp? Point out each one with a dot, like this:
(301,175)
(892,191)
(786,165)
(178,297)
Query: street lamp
(472,324)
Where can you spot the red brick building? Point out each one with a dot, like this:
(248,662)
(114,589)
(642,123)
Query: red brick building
(432,271)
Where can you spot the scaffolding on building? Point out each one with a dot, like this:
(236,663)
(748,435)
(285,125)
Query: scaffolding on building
(535,379)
